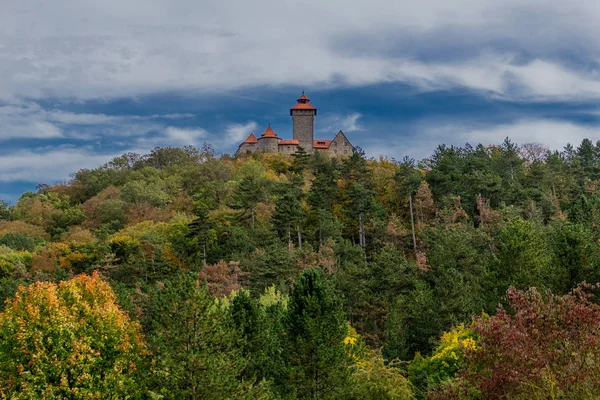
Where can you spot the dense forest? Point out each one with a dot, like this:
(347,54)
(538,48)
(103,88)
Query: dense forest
(183,274)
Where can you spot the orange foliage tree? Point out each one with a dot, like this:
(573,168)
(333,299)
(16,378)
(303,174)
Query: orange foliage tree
(68,340)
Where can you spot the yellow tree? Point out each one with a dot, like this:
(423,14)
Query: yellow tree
(68,340)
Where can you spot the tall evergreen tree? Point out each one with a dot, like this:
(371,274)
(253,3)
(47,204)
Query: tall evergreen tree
(194,350)
(316,361)
(200,231)
(289,214)
(250,191)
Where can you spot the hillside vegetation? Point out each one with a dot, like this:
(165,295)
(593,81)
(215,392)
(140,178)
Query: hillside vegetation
(183,274)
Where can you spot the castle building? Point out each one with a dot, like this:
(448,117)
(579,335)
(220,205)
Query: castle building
(303,119)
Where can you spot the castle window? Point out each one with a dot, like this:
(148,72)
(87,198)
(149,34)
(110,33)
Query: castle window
(335,143)
(288,148)
(345,144)
(345,151)
(335,151)
(320,142)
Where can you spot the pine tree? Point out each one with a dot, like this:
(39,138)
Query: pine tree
(249,192)
(316,361)
(257,338)
(194,350)
(200,230)
(289,215)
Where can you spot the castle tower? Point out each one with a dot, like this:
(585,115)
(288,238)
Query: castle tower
(269,140)
(303,118)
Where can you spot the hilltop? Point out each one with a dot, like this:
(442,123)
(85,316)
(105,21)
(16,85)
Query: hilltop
(410,250)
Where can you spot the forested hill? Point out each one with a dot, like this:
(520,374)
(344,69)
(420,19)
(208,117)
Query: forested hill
(399,251)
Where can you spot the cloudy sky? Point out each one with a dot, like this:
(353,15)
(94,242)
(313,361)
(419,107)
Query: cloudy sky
(81,82)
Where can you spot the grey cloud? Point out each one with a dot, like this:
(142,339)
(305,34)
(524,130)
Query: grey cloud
(30,120)
(47,166)
(110,48)
(347,123)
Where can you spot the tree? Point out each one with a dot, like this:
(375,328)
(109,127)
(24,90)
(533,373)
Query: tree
(289,215)
(68,340)
(316,361)
(546,348)
(201,231)
(426,373)
(258,332)
(222,278)
(575,255)
(4,210)
(195,352)
(20,241)
(249,192)
(521,259)
(142,192)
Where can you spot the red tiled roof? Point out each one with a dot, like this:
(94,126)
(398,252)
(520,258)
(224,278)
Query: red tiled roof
(289,142)
(303,97)
(303,106)
(269,133)
(322,144)
(251,139)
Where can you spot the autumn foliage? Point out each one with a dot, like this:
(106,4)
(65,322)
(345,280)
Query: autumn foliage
(68,340)
(547,349)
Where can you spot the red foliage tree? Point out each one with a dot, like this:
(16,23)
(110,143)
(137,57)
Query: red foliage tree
(222,278)
(549,347)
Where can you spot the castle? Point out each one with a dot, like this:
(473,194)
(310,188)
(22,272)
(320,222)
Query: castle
(303,119)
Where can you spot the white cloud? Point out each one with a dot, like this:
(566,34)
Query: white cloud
(47,166)
(235,133)
(28,120)
(183,136)
(332,123)
(108,49)
(554,134)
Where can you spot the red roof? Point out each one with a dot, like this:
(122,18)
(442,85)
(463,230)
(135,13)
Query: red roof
(269,133)
(284,142)
(303,106)
(251,139)
(322,144)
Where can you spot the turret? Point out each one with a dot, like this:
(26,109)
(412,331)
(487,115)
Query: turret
(303,118)
(269,140)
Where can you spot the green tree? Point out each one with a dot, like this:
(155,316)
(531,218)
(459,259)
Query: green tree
(521,259)
(4,210)
(201,232)
(258,337)
(289,215)
(195,352)
(250,191)
(575,255)
(20,241)
(316,361)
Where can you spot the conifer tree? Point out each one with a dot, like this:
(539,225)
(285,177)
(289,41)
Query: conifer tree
(257,338)
(316,361)
(289,215)
(199,230)
(194,350)
(249,192)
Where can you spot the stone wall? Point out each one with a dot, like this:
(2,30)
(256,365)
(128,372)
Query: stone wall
(268,144)
(304,128)
(246,148)
(288,148)
(341,145)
